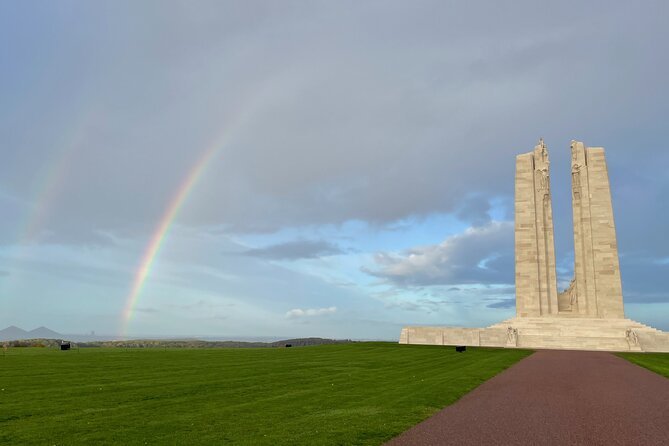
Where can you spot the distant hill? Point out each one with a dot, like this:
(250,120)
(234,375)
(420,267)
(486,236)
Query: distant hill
(12,333)
(43,332)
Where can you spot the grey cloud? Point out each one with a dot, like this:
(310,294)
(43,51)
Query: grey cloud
(475,211)
(406,305)
(328,112)
(148,310)
(479,255)
(421,305)
(310,312)
(504,303)
(4,273)
(337,125)
(89,273)
(297,249)
(490,291)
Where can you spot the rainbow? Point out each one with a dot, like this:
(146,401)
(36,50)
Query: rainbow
(235,124)
(163,228)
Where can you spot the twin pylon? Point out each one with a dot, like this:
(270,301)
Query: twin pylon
(596,289)
(588,315)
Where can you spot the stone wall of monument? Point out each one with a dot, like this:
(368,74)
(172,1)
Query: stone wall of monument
(597,285)
(536,283)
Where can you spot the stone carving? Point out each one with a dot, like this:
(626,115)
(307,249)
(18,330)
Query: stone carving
(632,337)
(575,171)
(542,165)
(575,176)
(573,296)
(544,150)
(511,336)
(542,178)
(568,299)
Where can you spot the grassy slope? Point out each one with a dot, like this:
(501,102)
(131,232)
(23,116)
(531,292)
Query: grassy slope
(334,394)
(657,362)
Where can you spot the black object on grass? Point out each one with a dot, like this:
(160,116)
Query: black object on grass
(460,348)
(65,346)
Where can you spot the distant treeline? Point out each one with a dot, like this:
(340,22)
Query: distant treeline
(186,343)
(40,342)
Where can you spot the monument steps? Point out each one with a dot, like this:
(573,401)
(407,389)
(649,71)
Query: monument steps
(576,325)
(618,343)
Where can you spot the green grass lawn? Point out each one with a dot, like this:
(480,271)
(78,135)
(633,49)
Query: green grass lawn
(657,362)
(362,393)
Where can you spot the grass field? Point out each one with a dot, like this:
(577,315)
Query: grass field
(657,362)
(361,393)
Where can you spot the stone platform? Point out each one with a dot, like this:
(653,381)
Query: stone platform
(559,333)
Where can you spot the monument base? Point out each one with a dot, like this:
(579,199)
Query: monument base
(563,333)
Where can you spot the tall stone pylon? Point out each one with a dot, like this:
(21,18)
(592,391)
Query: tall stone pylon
(536,283)
(596,290)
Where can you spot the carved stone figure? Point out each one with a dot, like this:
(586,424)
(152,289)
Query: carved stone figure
(575,175)
(512,336)
(573,295)
(542,165)
(632,337)
(542,177)
(544,153)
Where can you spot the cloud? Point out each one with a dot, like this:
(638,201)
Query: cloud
(504,303)
(478,255)
(475,211)
(298,312)
(445,104)
(422,305)
(297,249)
(642,278)
(149,310)
(4,273)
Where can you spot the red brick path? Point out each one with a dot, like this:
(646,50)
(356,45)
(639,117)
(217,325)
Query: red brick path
(556,398)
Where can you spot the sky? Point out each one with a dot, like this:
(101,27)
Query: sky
(337,169)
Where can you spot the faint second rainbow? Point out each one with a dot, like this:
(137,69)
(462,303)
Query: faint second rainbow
(51,181)
(156,242)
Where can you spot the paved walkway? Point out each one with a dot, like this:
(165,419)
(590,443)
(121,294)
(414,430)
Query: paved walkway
(556,398)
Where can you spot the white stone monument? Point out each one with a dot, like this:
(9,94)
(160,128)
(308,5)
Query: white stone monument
(589,314)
